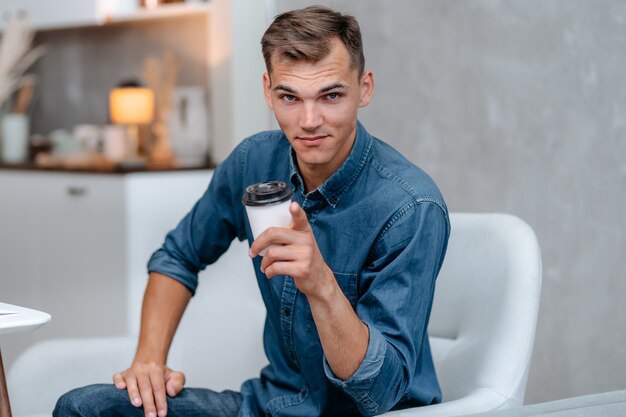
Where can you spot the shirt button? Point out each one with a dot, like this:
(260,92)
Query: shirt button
(287,311)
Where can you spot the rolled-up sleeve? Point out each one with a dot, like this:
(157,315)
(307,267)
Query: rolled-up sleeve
(395,303)
(207,231)
(358,384)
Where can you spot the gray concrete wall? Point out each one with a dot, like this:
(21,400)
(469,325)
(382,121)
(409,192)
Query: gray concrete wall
(519,106)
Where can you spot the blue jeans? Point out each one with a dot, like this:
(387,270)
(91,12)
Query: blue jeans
(105,400)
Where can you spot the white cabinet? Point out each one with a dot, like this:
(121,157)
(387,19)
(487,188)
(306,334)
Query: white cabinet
(76,245)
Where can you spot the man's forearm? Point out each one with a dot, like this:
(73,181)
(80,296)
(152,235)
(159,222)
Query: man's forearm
(343,335)
(164,302)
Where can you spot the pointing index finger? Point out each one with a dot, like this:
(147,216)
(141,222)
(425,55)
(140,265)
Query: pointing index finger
(299,220)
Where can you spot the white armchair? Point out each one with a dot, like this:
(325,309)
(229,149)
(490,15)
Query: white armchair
(484,316)
(481,330)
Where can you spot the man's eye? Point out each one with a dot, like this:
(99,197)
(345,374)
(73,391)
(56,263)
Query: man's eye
(289,98)
(333,96)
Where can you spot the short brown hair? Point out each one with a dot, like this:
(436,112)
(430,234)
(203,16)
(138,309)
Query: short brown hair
(307,35)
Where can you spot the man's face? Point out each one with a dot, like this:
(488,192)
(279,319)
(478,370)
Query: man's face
(316,104)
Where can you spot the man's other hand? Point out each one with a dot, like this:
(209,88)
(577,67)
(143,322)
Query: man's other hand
(148,384)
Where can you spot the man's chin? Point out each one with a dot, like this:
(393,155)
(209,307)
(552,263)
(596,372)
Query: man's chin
(311,158)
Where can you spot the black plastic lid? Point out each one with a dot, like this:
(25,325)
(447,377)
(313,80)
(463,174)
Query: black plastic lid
(266,193)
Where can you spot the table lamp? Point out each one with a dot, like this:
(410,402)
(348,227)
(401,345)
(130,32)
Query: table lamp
(131,105)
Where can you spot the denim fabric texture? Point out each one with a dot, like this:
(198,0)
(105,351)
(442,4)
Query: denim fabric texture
(381,225)
(105,400)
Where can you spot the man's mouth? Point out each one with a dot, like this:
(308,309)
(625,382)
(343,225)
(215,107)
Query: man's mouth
(312,140)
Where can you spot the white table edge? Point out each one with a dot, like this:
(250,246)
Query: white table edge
(23,319)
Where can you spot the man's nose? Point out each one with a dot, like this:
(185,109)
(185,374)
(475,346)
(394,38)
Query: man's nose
(311,117)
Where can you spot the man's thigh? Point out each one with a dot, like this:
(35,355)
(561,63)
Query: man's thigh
(105,400)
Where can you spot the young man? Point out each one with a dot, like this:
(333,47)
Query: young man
(348,286)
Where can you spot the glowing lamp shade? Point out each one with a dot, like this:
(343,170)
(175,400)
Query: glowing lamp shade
(131,105)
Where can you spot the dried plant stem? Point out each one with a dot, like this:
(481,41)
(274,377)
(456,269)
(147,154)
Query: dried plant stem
(161,75)
(16,56)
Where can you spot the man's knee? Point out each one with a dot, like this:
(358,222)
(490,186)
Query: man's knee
(101,400)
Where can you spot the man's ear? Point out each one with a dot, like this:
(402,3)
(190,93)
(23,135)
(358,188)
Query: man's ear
(267,90)
(367,88)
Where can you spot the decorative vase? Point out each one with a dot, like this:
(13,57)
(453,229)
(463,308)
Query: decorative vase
(161,152)
(14,137)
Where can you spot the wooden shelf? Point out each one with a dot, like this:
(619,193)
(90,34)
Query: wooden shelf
(165,11)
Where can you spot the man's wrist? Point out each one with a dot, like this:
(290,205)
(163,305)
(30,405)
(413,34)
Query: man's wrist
(150,356)
(326,293)
(149,360)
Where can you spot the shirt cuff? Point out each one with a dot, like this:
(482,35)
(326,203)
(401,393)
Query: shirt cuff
(369,367)
(163,264)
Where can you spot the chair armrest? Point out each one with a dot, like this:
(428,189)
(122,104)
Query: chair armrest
(478,401)
(49,369)
(605,404)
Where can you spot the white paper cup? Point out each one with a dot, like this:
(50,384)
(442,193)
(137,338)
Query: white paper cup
(267,205)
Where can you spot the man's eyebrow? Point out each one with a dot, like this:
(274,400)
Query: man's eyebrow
(332,87)
(284,88)
(323,90)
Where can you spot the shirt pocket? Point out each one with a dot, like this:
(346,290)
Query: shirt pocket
(347,283)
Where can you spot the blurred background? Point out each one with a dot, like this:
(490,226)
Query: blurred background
(515,106)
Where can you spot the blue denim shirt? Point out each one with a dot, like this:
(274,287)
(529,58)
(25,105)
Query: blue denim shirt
(381,225)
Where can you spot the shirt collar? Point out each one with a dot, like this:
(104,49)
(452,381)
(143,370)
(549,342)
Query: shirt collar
(342,179)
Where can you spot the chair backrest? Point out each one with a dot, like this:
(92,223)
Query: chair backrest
(219,343)
(484,316)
